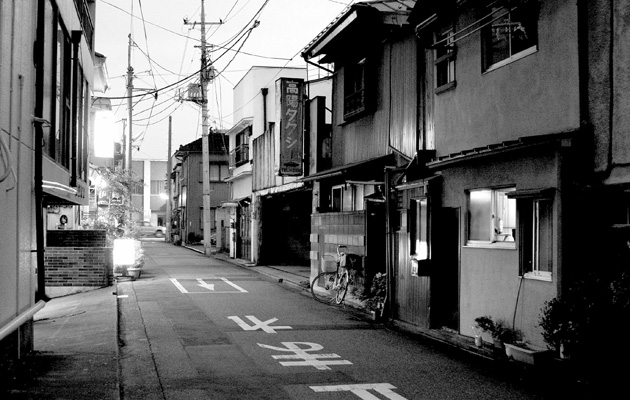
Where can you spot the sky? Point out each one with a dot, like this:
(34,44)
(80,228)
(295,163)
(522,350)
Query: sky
(164,53)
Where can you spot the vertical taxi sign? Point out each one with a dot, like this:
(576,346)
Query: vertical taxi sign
(289,141)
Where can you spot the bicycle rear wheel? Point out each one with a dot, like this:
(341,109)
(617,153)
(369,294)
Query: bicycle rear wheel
(322,287)
(342,288)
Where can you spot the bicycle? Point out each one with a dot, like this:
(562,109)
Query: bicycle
(335,284)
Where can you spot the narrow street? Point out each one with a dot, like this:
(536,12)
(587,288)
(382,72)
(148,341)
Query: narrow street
(193,327)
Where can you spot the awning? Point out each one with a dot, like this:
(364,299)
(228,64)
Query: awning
(499,148)
(531,193)
(240,125)
(236,202)
(361,170)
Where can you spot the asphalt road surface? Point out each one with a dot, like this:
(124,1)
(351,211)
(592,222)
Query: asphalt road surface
(194,327)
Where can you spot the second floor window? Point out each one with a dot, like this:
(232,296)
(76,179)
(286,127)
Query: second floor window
(240,154)
(355,93)
(513,33)
(158,187)
(444,59)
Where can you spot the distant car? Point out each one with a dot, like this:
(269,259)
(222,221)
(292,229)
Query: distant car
(146,229)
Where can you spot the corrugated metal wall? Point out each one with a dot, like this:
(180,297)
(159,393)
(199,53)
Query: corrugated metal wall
(404,96)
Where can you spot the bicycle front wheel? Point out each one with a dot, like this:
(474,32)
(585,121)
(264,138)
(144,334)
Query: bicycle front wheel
(342,286)
(322,287)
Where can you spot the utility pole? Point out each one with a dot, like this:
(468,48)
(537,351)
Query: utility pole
(168,180)
(204,77)
(127,162)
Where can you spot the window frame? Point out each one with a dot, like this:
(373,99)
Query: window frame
(497,238)
(419,229)
(445,59)
(527,13)
(529,214)
(356,94)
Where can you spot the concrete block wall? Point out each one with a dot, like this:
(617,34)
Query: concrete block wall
(328,230)
(78,262)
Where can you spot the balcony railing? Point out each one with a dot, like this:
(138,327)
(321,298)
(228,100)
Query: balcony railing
(239,156)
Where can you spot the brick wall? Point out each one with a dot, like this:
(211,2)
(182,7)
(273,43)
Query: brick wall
(78,258)
(76,238)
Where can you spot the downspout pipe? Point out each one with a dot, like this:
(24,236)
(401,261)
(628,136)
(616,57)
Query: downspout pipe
(264,92)
(38,123)
(388,243)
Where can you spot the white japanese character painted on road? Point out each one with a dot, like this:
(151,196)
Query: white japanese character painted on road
(319,361)
(258,324)
(363,390)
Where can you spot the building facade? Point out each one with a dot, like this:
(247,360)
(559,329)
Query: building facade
(187,178)
(46,77)
(496,134)
(255,120)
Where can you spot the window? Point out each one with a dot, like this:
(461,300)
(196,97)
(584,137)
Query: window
(419,228)
(158,187)
(445,59)
(218,172)
(536,237)
(336,198)
(240,154)
(137,188)
(349,197)
(512,34)
(355,92)
(64,92)
(491,217)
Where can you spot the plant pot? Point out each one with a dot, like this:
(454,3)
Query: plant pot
(134,273)
(525,354)
(478,341)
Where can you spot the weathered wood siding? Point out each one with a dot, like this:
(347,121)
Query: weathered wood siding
(393,120)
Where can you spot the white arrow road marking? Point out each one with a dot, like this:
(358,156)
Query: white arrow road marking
(203,284)
(307,359)
(258,324)
(209,287)
(362,390)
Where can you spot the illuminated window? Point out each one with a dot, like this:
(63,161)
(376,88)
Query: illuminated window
(491,217)
(419,228)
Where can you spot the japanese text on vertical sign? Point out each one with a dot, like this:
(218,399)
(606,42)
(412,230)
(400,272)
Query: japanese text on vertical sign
(291,130)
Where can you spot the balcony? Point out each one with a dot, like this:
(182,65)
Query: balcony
(239,156)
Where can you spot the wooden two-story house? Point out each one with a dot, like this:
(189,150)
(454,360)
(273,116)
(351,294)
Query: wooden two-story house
(374,131)
(187,179)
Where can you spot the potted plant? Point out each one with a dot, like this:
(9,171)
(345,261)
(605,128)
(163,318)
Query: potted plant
(560,328)
(134,271)
(499,330)
(501,333)
(374,299)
